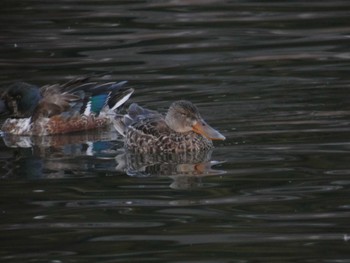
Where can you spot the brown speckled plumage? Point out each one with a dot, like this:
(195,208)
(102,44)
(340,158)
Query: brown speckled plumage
(153,135)
(148,131)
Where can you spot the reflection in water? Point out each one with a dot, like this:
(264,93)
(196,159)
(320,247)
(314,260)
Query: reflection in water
(273,76)
(83,154)
(57,156)
(59,140)
(186,169)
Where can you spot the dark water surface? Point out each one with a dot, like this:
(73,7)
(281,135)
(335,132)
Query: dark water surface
(272,76)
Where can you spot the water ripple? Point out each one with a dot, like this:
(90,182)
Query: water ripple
(273,76)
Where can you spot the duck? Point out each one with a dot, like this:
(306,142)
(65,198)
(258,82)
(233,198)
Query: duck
(73,106)
(180,130)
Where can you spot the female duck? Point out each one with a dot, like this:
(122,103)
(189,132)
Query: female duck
(181,130)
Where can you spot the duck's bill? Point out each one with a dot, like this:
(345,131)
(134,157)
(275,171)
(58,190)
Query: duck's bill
(210,133)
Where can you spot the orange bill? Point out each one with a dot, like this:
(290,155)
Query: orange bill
(204,129)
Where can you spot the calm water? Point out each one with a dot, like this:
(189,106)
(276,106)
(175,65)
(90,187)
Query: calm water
(272,76)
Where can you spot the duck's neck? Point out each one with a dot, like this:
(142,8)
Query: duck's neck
(29,102)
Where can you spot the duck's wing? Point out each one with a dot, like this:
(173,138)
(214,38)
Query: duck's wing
(54,102)
(84,98)
(136,116)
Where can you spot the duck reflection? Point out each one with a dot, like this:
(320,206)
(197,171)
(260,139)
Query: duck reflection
(60,156)
(163,164)
(89,154)
(186,169)
(58,141)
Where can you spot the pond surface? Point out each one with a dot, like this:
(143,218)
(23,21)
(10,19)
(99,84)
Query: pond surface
(272,76)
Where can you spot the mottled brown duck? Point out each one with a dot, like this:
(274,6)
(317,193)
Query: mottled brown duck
(182,129)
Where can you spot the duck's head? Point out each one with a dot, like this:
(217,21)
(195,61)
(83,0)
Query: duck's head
(183,116)
(20,100)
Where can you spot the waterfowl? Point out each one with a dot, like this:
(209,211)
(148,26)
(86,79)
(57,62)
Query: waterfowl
(61,108)
(182,129)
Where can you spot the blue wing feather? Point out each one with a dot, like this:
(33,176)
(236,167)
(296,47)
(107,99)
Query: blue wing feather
(98,102)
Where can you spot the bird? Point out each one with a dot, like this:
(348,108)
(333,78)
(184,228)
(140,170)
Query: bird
(181,130)
(73,106)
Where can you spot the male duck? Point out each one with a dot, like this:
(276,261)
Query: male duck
(61,108)
(181,130)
